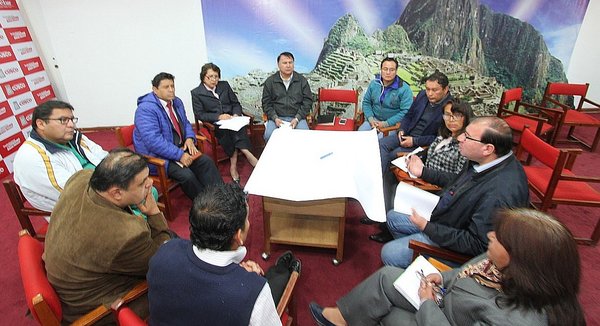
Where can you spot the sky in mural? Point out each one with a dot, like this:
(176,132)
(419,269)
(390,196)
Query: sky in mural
(242,35)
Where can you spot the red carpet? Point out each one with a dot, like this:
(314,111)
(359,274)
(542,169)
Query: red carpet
(320,280)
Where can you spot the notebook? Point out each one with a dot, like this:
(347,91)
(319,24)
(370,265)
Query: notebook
(409,282)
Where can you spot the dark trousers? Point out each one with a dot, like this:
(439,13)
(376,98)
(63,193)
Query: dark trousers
(193,179)
(277,276)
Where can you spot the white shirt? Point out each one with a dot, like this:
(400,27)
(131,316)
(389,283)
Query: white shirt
(480,168)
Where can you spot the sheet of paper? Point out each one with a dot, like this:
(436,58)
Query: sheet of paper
(409,197)
(235,123)
(408,282)
(402,161)
(304,165)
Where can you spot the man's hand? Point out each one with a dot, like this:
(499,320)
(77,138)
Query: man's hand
(190,148)
(418,220)
(294,123)
(224,116)
(406,141)
(252,266)
(278,122)
(186,159)
(415,165)
(148,206)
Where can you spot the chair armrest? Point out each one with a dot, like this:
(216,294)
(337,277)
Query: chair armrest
(387,130)
(555,102)
(586,100)
(423,248)
(158,162)
(566,177)
(287,293)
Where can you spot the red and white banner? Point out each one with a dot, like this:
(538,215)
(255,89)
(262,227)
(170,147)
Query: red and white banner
(24,83)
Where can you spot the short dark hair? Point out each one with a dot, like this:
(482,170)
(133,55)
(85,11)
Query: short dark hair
(285,54)
(44,111)
(218,212)
(118,168)
(388,59)
(209,66)
(439,77)
(462,107)
(161,76)
(497,133)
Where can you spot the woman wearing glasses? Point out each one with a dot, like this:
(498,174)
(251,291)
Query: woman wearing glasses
(214,100)
(508,285)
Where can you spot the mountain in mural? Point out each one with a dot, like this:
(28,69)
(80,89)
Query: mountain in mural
(494,43)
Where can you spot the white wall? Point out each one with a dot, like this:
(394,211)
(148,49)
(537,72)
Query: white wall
(106,52)
(101,55)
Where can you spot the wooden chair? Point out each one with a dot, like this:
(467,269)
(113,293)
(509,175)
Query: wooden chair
(420,248)
(24,212)
(402,176)
(124,315)
(42,300)
(519,114)
(573,116)
(554,183)
(165,184)
(348,96)
(207,129)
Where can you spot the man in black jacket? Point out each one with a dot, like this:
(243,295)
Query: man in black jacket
(493,179)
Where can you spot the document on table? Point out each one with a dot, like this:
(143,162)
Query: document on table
(409,197)
(402,161)
(235,123)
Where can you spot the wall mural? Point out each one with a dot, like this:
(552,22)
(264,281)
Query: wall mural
(483,46)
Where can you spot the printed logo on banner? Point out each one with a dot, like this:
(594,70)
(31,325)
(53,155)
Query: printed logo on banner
(5,110)
(6,54)
(22,103)
(24,119)
(32,65)
(37,80)
(4,171)
(18,34)
(15,87)
(8,127)
(43,94)
(3,38)
(24,51)
(11,144)
(10,71)
(8,5)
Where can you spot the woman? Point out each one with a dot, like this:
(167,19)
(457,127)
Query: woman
(519,281)
(214,100)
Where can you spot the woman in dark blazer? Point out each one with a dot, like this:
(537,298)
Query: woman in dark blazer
(214,100)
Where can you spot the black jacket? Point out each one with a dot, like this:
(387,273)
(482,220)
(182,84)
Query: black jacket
(296,101)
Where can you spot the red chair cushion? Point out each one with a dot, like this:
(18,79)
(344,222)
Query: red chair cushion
(579,118)
(538,177)
(127,317)
(349,126)
(517,123)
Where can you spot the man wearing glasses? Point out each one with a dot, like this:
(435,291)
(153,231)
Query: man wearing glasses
(387,98)
(492,179)
(54,151)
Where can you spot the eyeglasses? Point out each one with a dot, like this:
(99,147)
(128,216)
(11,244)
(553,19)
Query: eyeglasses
(454,116)
(65,120)
(467,136)
(213,77)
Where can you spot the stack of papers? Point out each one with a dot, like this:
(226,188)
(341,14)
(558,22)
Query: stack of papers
(235,123)
(402,161)
(409,197)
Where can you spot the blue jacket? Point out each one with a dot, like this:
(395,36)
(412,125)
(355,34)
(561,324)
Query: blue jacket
(397,100)
(153,134)
(410,120)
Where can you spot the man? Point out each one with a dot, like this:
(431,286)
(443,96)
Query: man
(96,249)
(54,151)
(162,130)
(204,281)
(286,98)
(492,179)
(387,98)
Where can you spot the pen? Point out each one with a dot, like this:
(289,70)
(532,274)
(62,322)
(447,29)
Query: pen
(324,156)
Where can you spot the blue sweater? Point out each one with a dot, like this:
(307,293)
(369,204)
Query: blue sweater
(397,99)
(184,290)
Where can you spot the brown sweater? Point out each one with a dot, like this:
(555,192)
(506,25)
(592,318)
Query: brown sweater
(95,251)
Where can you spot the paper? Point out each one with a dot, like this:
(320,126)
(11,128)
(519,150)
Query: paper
(408,283)
(235,123)
(402,161)
(409,197)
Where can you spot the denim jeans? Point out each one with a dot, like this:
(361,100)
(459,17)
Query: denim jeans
(270,126)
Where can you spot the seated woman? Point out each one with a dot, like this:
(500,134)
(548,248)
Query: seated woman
(519,281)
(214,100)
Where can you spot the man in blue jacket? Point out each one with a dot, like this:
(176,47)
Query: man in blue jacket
(162,130)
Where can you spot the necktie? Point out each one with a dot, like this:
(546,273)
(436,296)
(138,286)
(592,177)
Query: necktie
(174,119)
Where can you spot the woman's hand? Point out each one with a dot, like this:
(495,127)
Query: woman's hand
(426,291)
(252,266)
(415,165)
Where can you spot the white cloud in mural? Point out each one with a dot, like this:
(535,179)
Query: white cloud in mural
(561,42)
(236,55)
(523,10)
(363,11)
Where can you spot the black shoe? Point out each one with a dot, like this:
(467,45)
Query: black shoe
(317,313)
(382,237)
(296,265)
(285,259)
(367,221)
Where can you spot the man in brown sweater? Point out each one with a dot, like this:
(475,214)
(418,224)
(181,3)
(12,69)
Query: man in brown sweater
(96,249)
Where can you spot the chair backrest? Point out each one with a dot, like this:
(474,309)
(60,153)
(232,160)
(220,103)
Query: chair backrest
(17,200)
(42,300)
(510,95)
(566,89)
(125,135)
(542,151)
(339,95)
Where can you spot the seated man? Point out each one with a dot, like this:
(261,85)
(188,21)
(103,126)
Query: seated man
(96,249)
(54,151)
(162,130)
(492,179)
(387,99)
(204,281)
(286,97)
